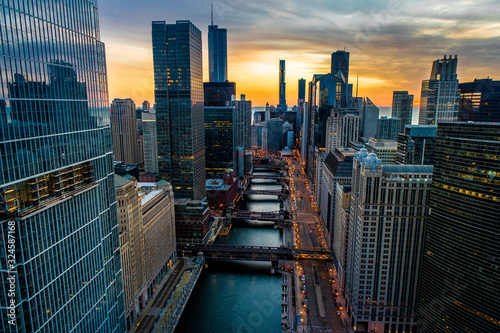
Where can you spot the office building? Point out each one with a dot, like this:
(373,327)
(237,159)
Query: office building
(192,222)
(440,94)
(300,102)
(479,101)
(386,150)
(388,128)
(274,135)
(416,145)
(388,212)
(282,107)
(402,108)
(219,139)
(459,289)
(222,192)
(150,143)
(217,53)
(340,234)
(56,173)
(342,126)
(337,169)
(124,129)
(146,106)
(131,243)
(177,61)
(242,121)
(340,68)
(218,93)
(369,117)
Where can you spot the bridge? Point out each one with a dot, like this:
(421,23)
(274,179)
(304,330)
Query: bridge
(260,253)
(271,166)
(280,193)
(264,216)
(280,178)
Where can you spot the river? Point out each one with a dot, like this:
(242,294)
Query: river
(239,296)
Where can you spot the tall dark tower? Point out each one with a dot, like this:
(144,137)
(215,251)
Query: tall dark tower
(340,68)
(459,286)
(302,89)
(177,60)
(58,211)
(217,53)
(282,105)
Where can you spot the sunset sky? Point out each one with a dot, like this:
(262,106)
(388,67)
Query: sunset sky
(392,44)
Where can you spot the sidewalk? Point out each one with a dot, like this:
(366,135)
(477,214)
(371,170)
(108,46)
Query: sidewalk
(151,299)
(341,302)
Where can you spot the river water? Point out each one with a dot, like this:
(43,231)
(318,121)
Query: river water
(239,296)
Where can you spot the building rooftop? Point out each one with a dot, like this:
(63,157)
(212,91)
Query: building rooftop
(150,196)
(141,184)
(121,181)
(396,168)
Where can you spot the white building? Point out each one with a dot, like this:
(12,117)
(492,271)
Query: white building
(388,212)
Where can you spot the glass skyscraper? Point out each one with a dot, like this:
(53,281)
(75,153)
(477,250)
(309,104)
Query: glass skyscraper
(217,54)
(178,75)
(402,108)
(219,139)
(57,198)
(459,288)
(340,68)
(282,88)
(479,101)
(440,94)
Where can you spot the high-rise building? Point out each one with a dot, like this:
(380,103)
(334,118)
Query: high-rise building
(218,93)
(479,101)
(219,139)
(192,221)
(340,68)
(369,117)
(459,289)
(57,198)
(388,212)
(124,129)
(350,126)
(386,150)
(242,121)
(274,135)
(179,102)
(217,53)
(416,145)
(146,106)
(440,94)
(388,128)
(282,104)
(402,108)
(302,89)
(300,102)
(150,143)
(340,234)
(131,243)
(337,169)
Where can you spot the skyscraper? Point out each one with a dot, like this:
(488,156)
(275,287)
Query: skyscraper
(150,143)
(219,139)
(217,53)
(440,94)
(416,145)
(369,117)
(124,129)
(242,121)
(179,102)
(218,93)
(479,101)
(460,272)
(282,105)
(388,128)
(340,68)
(402,108)
(300,102)
(57,198)
(388,211)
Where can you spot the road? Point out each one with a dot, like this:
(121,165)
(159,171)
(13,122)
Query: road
(152,314)
(309,232)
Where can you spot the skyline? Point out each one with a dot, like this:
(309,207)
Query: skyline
(392,46)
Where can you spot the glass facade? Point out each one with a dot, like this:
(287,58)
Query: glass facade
(479,101)
(219,140)
(416,145)
(218,93)
(177,59)
(402,108)
(282,88)
(440,94)
(340,68)
(460,273)
(217,54)
(56,179)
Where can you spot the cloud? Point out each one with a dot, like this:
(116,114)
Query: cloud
(392,43)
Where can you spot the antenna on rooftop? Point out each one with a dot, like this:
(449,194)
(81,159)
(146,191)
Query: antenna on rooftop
(212,13)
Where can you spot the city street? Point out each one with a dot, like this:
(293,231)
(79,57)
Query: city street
(320,315)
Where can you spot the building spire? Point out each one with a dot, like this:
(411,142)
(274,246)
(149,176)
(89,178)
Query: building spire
(212,13)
